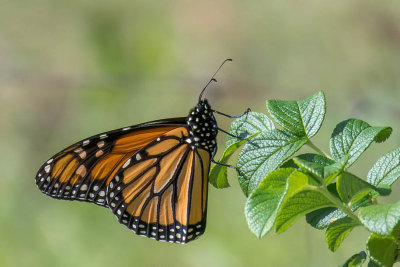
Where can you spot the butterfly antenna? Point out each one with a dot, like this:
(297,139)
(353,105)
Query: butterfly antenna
(212,78)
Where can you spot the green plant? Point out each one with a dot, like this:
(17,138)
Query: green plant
(282,187)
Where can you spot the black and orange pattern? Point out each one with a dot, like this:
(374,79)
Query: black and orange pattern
(153,176)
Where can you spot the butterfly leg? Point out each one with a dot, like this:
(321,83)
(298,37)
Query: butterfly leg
(230,116)
(232,135)
(238,137)
(223,164)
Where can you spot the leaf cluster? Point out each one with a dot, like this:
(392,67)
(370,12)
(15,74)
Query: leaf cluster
(282,185)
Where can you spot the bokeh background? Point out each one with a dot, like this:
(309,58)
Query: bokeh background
(71,69)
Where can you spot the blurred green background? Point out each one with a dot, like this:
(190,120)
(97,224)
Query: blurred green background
(71,69)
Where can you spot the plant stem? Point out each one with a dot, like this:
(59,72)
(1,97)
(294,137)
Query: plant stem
(338,203)
(311,144)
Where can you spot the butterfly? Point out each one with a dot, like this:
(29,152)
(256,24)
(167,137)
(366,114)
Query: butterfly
(153,176)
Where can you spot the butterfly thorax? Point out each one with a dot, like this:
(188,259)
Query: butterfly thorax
(203,127)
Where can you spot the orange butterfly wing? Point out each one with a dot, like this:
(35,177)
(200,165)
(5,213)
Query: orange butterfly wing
(161,191)
(84,170)
(153,176)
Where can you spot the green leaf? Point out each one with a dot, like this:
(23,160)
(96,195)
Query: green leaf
(357,260)
(218,173)
(320,166)
(382,219)
(263,203)
(316,158)
(382,249)
(350,186)
(289,164)
(302,118)
(313,163)
(385,171)
(301,198)
(373,264)
(322,218)
(337,231)
(263,155)
(335,169)
(352,137)
(310,167)
(246,126)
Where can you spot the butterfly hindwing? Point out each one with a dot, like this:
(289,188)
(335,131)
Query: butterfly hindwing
(84,170)
(161,191)
(153,176)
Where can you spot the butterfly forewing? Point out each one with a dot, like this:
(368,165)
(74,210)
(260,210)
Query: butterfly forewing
(161,191)
(84,170)
(153,176)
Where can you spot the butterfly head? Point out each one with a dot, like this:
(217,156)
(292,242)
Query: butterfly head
(202,126)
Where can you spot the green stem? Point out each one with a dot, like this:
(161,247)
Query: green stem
(338,203)
(311,144)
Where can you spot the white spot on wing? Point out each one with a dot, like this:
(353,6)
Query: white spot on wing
(82,155)
(100,144)
(99,153)
(126,163)
(47,168)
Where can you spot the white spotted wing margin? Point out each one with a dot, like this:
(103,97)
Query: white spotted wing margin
(82,171)
(161,191)
(66,175)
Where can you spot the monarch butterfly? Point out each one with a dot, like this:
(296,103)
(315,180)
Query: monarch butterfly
(153,176)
